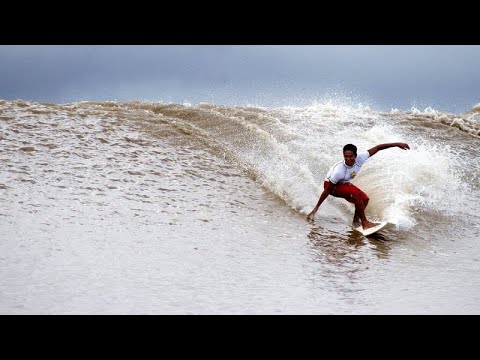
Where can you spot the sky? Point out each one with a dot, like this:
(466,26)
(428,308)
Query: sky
(384,77)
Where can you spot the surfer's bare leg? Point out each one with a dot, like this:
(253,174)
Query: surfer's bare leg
(356,220)
(359,216)
(356,217)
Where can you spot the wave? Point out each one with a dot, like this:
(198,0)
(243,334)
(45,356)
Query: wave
(288,150)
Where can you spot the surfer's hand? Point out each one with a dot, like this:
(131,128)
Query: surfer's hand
(403,146)
(311,215)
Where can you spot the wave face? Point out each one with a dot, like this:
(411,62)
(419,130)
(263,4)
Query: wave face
(286,150)
(180,172)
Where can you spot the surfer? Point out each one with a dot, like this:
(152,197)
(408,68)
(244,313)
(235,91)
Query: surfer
(337,181)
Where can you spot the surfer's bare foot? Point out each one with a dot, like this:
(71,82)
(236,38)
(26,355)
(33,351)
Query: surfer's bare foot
(356,223)
(369,225)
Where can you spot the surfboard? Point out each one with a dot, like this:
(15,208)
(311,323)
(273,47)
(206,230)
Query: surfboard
(371,230)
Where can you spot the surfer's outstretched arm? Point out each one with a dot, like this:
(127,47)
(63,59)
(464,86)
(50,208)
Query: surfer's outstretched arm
(323,196)
(379,147)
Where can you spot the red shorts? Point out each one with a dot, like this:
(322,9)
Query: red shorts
(347,191)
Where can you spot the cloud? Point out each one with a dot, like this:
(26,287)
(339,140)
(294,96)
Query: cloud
(394,76)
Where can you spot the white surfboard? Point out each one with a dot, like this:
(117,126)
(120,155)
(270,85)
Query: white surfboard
(371,230)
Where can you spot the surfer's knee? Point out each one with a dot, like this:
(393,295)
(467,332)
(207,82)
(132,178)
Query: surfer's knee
(358,199)
(363,197)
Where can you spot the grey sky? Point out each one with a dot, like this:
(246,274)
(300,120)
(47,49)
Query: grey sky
(384,77)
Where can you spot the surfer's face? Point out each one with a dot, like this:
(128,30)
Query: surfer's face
(349,157)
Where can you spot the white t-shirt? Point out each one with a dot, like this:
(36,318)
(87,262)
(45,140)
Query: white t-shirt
(341,173)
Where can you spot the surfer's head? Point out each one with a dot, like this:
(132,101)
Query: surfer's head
(350,147)
(349,154)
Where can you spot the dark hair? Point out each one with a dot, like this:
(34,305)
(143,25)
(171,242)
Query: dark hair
(350,147)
